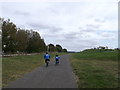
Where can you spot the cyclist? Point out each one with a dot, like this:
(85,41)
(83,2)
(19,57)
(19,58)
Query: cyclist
(57,58)
(47,58)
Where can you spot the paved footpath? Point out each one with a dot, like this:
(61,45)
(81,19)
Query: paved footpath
(53,76)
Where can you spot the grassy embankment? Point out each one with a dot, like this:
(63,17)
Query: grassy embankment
(15,67)
(95,69)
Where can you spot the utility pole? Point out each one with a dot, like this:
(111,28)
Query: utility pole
(48,48)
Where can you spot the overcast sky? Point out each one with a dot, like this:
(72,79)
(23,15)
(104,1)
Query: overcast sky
(74,25)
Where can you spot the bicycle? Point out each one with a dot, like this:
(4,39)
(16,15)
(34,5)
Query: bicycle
(47,62)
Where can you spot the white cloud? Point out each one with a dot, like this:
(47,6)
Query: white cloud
(74,25)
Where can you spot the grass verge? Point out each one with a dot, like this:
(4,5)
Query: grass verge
(96,69)
(15,67)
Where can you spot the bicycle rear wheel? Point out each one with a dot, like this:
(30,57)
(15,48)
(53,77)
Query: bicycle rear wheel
(47,63)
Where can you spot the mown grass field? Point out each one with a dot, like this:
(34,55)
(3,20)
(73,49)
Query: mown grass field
(15,67)
(96,69)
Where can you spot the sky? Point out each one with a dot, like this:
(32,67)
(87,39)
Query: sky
(75,24)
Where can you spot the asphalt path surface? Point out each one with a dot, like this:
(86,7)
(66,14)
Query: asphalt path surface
(53,76)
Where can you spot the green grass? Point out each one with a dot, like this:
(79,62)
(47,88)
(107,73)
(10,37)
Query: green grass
(15,67)
(90,55)
(96,69)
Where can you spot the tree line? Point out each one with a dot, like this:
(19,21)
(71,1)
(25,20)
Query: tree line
(57,48)
(17,40)
(102,49)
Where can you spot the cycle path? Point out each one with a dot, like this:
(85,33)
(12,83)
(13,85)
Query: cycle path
(53,76)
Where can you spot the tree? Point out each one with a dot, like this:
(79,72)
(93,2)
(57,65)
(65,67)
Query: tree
(35,43)
(1,22)
(51,48)
(43,46)
(22,40)
(64,50)
(9,36)
(59,48)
